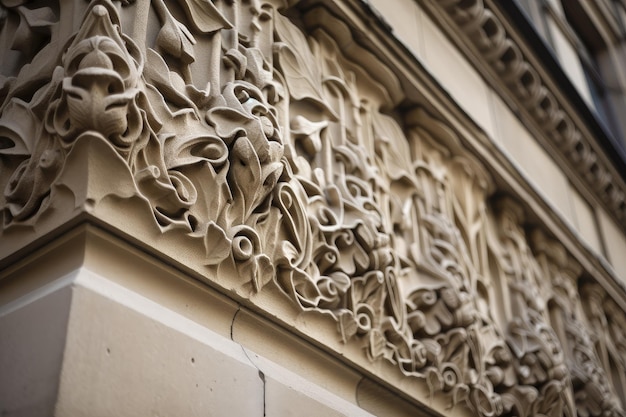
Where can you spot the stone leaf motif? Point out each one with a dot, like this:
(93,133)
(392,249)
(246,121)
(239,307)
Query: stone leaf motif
(31,52)
(224,138)
(447,303)
(579,309)
(206,163)
(539,359)
(435,332)
(34,27)
(438,331)
(294,58)
(87,93)
(23,135)
(593,391)
(616,323)
(284,170)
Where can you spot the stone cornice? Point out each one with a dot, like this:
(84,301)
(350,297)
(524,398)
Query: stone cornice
(489,36)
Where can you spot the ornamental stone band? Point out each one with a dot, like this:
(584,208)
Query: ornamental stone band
(294,161)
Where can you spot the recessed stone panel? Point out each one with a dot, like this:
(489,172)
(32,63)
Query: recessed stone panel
(534,162)
(457,76)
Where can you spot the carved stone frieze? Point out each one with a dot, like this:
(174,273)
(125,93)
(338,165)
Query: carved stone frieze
(594,395)
(264,153)
(538,355)
(607,339)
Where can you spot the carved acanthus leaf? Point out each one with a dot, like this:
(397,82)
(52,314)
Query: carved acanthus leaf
(269,155)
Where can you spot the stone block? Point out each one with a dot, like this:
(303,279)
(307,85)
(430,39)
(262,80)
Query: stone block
(405,18)
(143,274)
(569,60)
(32,340)
(291,352)
(533,161)
(288,394)
(457,76)
(126,355)
(614,243)
(586,223)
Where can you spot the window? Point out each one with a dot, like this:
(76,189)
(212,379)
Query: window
(598,66)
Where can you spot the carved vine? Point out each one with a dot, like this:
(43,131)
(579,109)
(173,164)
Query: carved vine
(268,149)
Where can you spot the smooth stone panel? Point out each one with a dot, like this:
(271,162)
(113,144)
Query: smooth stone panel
(405,18)
(128,356)
(457,76)
(32,341)
(301,358)
(586,223)
(288,394)
(569,60)
(533,161)
(382,402)
(614,242)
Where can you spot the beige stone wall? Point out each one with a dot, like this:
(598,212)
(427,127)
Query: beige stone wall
(518,139)
(126,334)
(313,208)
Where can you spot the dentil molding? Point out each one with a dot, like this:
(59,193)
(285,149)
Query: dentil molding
(482,30)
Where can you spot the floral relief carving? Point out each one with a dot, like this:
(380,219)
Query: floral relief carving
(30,30)
(616,330)
(184,148)
(539,360)
(592,392)
(231,129)
(597,355)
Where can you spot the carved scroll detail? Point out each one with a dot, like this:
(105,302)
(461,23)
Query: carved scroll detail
(592,391)
(539,360)
(229,130)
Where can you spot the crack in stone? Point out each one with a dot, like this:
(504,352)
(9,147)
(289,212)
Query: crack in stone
(245,352)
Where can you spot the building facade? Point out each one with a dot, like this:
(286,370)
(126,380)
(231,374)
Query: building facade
(313,208)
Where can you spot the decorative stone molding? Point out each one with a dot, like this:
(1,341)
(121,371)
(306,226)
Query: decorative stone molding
(592,391)
(539,360)
(261,152)
(482,30)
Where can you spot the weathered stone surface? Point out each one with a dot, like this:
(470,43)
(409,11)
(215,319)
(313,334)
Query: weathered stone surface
(263,147)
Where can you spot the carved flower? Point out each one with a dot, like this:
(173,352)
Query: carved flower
(249,260)
(332,289)
(245,244)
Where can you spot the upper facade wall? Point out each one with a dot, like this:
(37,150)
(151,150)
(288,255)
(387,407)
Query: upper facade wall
(310,161)
(496,78)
